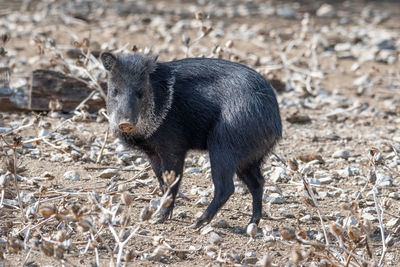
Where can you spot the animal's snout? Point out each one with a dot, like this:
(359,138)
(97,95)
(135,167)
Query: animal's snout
(126,127)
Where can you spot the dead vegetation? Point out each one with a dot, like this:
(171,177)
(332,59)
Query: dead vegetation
(71,195)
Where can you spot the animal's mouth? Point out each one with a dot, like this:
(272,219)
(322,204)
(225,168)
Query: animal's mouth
(126,127)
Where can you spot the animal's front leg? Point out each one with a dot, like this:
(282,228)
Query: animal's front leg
(155,162)
(171,162)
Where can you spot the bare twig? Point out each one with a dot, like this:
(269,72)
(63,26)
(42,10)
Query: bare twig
(102,147)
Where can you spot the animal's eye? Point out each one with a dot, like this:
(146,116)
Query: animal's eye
(139,94)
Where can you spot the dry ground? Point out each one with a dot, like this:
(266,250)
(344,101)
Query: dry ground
(344,119)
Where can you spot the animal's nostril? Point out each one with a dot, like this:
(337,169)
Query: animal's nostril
(126,127)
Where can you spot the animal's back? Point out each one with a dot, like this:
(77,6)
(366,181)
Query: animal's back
(236,97)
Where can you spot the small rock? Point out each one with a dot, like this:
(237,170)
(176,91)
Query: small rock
(344,154)
(386,44)
(384,180)
(140,161)
(240,188)
(252,230)
(250,258)
(367,54)
(206,229)
(4,130)
(306,218)
(108,173)
(215,238)
(314,181)
(274,199)
(202,192)
(369,217)
(221,224)
(154,203)
(394,195)
(278,175)
(54,115)
(325,180)
(43,132)
(286,12)
(48,175)
(370,210)
(236,257)
(72,175)
(392,223)
(364,80)
(326,10)
(204,201)
(341,47)
(334,193)
(192,170)
(211,254)
(181,214)
(349,221)
(297,118)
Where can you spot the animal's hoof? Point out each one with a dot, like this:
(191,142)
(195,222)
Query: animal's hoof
(166,213)
(200,222)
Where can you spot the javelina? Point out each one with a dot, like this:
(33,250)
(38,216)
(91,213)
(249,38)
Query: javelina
(166,109)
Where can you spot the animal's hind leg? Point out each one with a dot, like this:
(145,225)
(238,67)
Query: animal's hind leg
(222,171)
(252,177)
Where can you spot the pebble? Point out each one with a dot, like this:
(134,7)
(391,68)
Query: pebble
(392,223)
(215,238)
(192,170)
(4,130)
(240,188)
(43,132)
(236,257)
(314,181)
(48,175)
(108,173)
(306,218)
(249,260)
(370,217)
(351,221)
(211,254)
(154,203)
(206,229)
(221,224)
(341,47)
(325,180)
(326,10)
(348,172)
(278,175)
(202,192)
(286,12)
(334,193)
(394,195)
(181,214)
(370,210)
(140,161)
(364,80)
(344,154)
(274,199)
(72,175)
(204,201)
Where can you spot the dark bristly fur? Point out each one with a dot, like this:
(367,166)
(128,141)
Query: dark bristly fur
(196,103)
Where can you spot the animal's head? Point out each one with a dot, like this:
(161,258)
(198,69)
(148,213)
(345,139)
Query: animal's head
(129,96)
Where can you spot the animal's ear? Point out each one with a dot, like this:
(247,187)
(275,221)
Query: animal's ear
(108,60)
(151,63)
